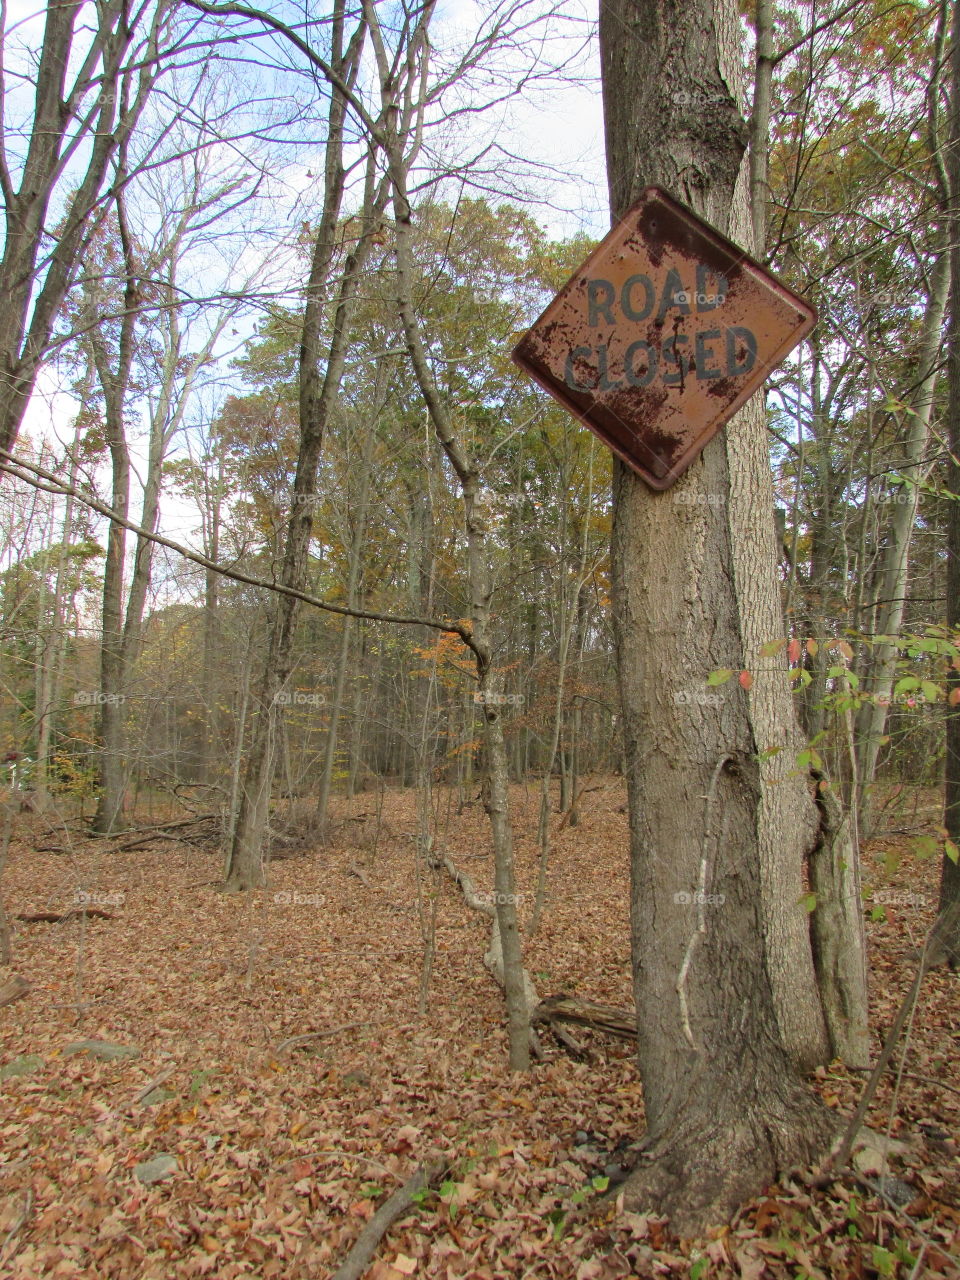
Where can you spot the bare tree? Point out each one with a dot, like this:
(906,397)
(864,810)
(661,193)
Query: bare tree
(75,129)
(320,369)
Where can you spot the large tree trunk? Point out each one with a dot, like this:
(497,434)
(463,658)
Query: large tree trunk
(723,972)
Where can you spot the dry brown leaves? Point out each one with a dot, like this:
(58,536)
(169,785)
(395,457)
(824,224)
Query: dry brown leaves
(282,1156)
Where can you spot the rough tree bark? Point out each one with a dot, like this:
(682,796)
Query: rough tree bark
(726,994)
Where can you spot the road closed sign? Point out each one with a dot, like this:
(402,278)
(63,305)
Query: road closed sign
(661,335)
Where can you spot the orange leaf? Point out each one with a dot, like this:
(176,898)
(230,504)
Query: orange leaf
(746,680)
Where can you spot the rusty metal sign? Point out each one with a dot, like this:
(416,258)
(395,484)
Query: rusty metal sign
(661,335)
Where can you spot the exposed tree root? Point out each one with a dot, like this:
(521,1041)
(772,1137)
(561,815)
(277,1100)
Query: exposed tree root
(708,1164)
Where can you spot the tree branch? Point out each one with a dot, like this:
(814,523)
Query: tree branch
(46,480)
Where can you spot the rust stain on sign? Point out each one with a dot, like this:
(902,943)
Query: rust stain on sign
(661,335)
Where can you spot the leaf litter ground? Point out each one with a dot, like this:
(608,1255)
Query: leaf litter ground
(270,1158)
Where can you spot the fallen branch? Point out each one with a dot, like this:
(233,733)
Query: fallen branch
(585,1013)
(13,990)
(361,1255)
(466,887)
(494,955)
(175,832)
(51,917)
(322,1035)
(149,1087)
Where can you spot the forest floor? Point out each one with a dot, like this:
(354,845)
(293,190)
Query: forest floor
(276,1156)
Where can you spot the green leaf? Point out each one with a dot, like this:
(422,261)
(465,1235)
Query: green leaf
(699,1268)
(878,913)
(720,676)
(772,648)
(600,1182)
(929,690)
(925,847)
(809,902)
(906,685)
(951,850)
(883,1260)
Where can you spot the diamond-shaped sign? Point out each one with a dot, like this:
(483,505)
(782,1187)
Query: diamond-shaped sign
(661,335)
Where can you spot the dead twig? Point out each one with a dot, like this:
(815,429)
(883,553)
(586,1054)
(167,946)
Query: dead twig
(149,1087)
(912,1075)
